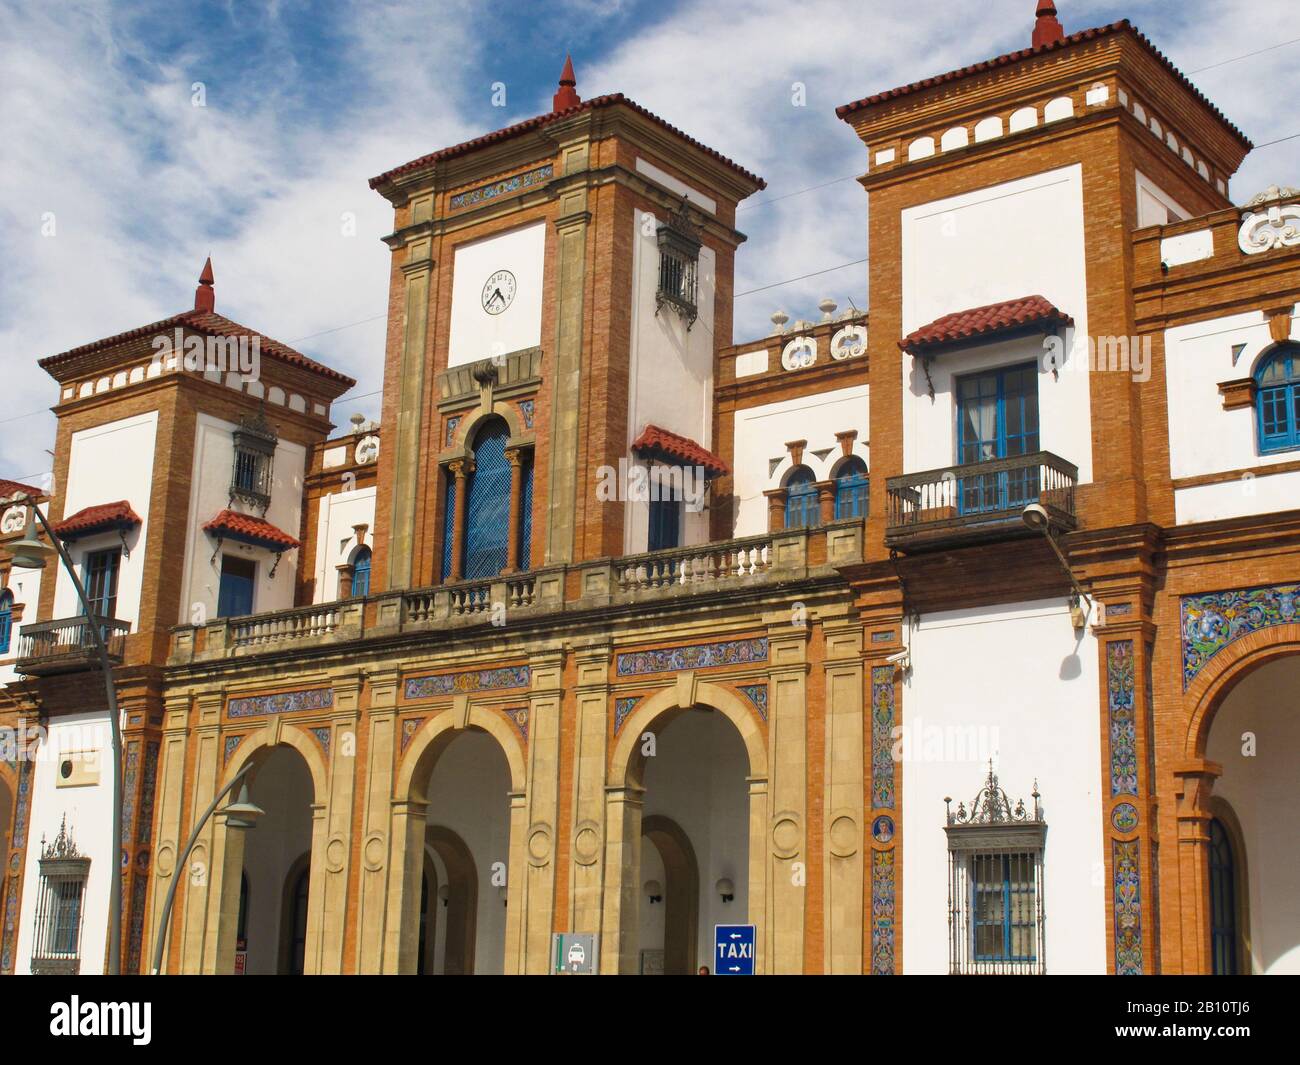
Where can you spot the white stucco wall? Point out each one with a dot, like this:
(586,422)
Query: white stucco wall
(25,584)
(336,540)
(214,450)
(107,463)
(89,812)
(1155,206)
(670,375)
(1260,716)
(1204,438)
(960,709)
(475,334)
(761,433)
(1037,225)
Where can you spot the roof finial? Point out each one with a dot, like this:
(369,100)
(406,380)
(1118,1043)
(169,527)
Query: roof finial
(205,299)
(1047,30)
(566,96)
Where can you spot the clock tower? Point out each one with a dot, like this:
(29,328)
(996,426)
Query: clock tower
(556,288)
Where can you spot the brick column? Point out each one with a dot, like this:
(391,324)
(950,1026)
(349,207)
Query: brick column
(516,458)
(1195,781)
(775,510)
(826,500)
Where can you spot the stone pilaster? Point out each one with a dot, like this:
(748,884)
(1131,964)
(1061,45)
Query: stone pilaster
(170,802)
(337,856)
(375,825)
(537,897)
(200,906)
(589,776)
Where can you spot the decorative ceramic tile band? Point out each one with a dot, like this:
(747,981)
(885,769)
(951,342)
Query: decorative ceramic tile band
(231,743)
(1211,622)
(882,913)
(409,728)
(1123,725)
(148,785)
(528,409)
(499,188)
(1124,817)
(474,681)
(1126,860)
(756,694)
(694,656)
(882,736)
(323,738)
(520,718)
(622,708)
(281,703)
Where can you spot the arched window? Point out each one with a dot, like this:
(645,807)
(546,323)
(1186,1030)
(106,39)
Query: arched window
(6,620)
(361,572)
(802,510)
(1277,400)
(851,489)
(486,521)
(1223,902)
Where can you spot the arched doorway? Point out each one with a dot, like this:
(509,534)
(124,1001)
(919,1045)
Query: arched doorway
(464,882)
(696,820)
(277,865)
(1253,865)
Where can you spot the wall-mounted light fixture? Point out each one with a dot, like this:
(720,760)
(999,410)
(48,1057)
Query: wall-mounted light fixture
(654,891)
(726,889)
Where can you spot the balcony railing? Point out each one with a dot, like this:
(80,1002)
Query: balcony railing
(68,646)
(686,572)
(979,501)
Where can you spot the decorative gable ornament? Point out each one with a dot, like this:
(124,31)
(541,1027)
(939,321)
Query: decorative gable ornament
(1270,222)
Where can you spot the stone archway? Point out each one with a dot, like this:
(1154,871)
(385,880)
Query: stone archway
(410,831)
(624,804)
(1241,745)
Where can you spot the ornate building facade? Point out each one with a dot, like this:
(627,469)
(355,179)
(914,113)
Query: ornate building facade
(956,637)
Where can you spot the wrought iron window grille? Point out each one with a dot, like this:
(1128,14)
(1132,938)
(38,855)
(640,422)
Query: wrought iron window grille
(253,468)
(995,883)
(56,948)
(679,258)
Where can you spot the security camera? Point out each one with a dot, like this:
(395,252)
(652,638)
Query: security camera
(1035,517)
(898,656)
(901,660)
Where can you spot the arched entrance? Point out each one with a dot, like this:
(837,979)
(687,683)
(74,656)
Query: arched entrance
(1252,875)
(277,865)
(457,823)
(686,811)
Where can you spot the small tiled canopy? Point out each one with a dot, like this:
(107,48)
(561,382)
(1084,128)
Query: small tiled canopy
(657,443)
(231,525)
(985,323)
(103,517)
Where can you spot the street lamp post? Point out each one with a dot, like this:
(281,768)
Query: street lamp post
(31,553)
(242,814)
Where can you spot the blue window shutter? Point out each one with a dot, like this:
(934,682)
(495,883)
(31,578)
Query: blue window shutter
(526,516)
(1277,400)
(361,572)
(6,621)
(448,525)
(851,490)
(802,509)
(487,508)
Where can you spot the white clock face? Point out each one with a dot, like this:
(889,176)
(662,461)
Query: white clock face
(499,292)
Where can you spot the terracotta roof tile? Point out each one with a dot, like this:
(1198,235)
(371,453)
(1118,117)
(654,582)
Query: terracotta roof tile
(212,324)
(99,518)
(1123,26)
(9,489)
(660,443)
(539,121)
(231,525)
(979,322)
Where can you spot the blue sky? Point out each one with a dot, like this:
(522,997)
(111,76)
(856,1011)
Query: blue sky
(305,102)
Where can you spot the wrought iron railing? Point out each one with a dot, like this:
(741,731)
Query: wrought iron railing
(68,644)
(975,500)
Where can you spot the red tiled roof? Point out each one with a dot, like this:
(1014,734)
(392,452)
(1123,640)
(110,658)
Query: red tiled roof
(99,518)
(660,443)
(1122,26)
(232,525)
(214,325)
(539,121)
(979,322)
(9,489)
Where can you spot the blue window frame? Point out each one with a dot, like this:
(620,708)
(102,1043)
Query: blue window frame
(99,577)
(802,509)
(6,621)
(1003,907)
(1223,902)
(1277,400)
(851,489)
(487,503)
(526,515)
(235,596)
(665,524)
(997,418)
(448,523)
(361,572)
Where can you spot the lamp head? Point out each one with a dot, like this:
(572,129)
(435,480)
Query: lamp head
(1035,517)
(30,552)
(242,813)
